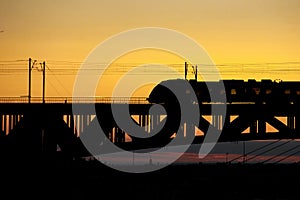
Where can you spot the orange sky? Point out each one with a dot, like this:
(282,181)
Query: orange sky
(240,32)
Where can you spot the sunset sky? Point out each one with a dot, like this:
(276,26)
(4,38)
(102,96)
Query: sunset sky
(244,35)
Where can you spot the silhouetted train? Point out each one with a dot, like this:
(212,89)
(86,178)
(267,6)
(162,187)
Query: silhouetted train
(231,91)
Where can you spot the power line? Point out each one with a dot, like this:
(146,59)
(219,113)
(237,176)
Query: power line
(255,150)
(288,156)
(72,68)
(53,87)
(58,81)
(268,150)
(267,160)
(60,62)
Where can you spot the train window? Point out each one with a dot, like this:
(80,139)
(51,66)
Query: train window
(287,91)
(233,92)
(256,90)
(268,91)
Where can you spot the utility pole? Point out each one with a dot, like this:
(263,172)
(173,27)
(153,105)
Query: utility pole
(29,80)
(44,67)
(196,75)
(185,70)
(196,72)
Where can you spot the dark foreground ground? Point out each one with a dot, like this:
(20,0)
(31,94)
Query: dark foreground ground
(91,180)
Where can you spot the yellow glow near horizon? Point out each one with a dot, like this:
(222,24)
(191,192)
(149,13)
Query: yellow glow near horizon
(232,32)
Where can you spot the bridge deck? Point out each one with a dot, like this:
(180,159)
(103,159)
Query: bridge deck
(143,108)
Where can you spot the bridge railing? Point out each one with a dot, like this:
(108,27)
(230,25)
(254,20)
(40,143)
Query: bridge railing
(108,100)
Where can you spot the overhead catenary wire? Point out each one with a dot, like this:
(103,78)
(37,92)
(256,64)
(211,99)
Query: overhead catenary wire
(72,67)
(286,157)
(268,150)
(57,79)
(56,90)
(281,153)
(255,150)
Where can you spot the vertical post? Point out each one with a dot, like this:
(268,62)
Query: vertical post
(10,122)
(262,129)
(88,120)
(196,72)
(244,152)
(29,80)
(1,126)
(68,120)
(15,120)
(5,124)
(297,122)
(44,65)
(253,127)
(72,124)
(290,122)
(185,70)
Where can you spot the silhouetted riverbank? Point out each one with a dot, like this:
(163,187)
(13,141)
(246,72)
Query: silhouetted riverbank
(90,179)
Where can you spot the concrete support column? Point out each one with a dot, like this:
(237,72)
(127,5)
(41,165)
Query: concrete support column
(72,124)
(253,127)
(119,135)
(68,120)
(1,122)
(291,122)
(189,130)
(262,127)
(297,123)
(217,121)
(5,124)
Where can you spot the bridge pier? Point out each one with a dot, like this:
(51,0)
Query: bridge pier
(78,123)
(150,122)
(144,120)
(291,122)
(217,121)
(190,130)
(154,121)
(248,116)
(1,125)
(72,124)
(119,135)
(5,125)
(262,126)
(297,123)
(253,127)
(81,124)
(8,122)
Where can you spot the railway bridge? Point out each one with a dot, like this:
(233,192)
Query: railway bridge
(44,127)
